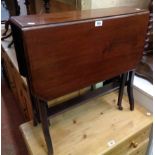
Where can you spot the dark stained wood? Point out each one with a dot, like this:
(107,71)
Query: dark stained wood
(64,52)
(19,48)
(36,7)
(58,6)
(130,89)
(45,126)
(109,87)
(27,4)
(14,10)
(121,90)
(61,17)
(145,67)
(46,6)
(74,55)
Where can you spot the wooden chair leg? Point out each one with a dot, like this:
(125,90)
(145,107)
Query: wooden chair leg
(5,37)
(130,89)
(121,90)
(7,23)
(46,6)
(45,126)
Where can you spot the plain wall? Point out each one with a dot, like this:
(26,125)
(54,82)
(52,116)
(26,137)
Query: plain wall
(95,4)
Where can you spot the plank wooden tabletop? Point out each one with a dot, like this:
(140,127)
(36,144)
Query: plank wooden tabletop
(88,128)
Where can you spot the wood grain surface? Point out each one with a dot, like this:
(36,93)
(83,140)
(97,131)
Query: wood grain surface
(87,129)
(70,16)
(65,57)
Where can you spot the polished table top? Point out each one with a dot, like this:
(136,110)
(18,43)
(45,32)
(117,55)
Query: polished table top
(72,16)
(60,52)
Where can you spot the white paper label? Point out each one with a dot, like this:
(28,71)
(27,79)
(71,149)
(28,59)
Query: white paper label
(148,114)
(31,23)
(98,23)
(111,143)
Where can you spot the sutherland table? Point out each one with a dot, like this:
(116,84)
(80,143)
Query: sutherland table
(63,52)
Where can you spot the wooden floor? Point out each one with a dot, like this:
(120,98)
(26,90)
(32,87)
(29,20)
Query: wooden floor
(87,129)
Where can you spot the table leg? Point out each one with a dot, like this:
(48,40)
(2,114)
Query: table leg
(35,110)
(45,126)
(130,89)
(121,90)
